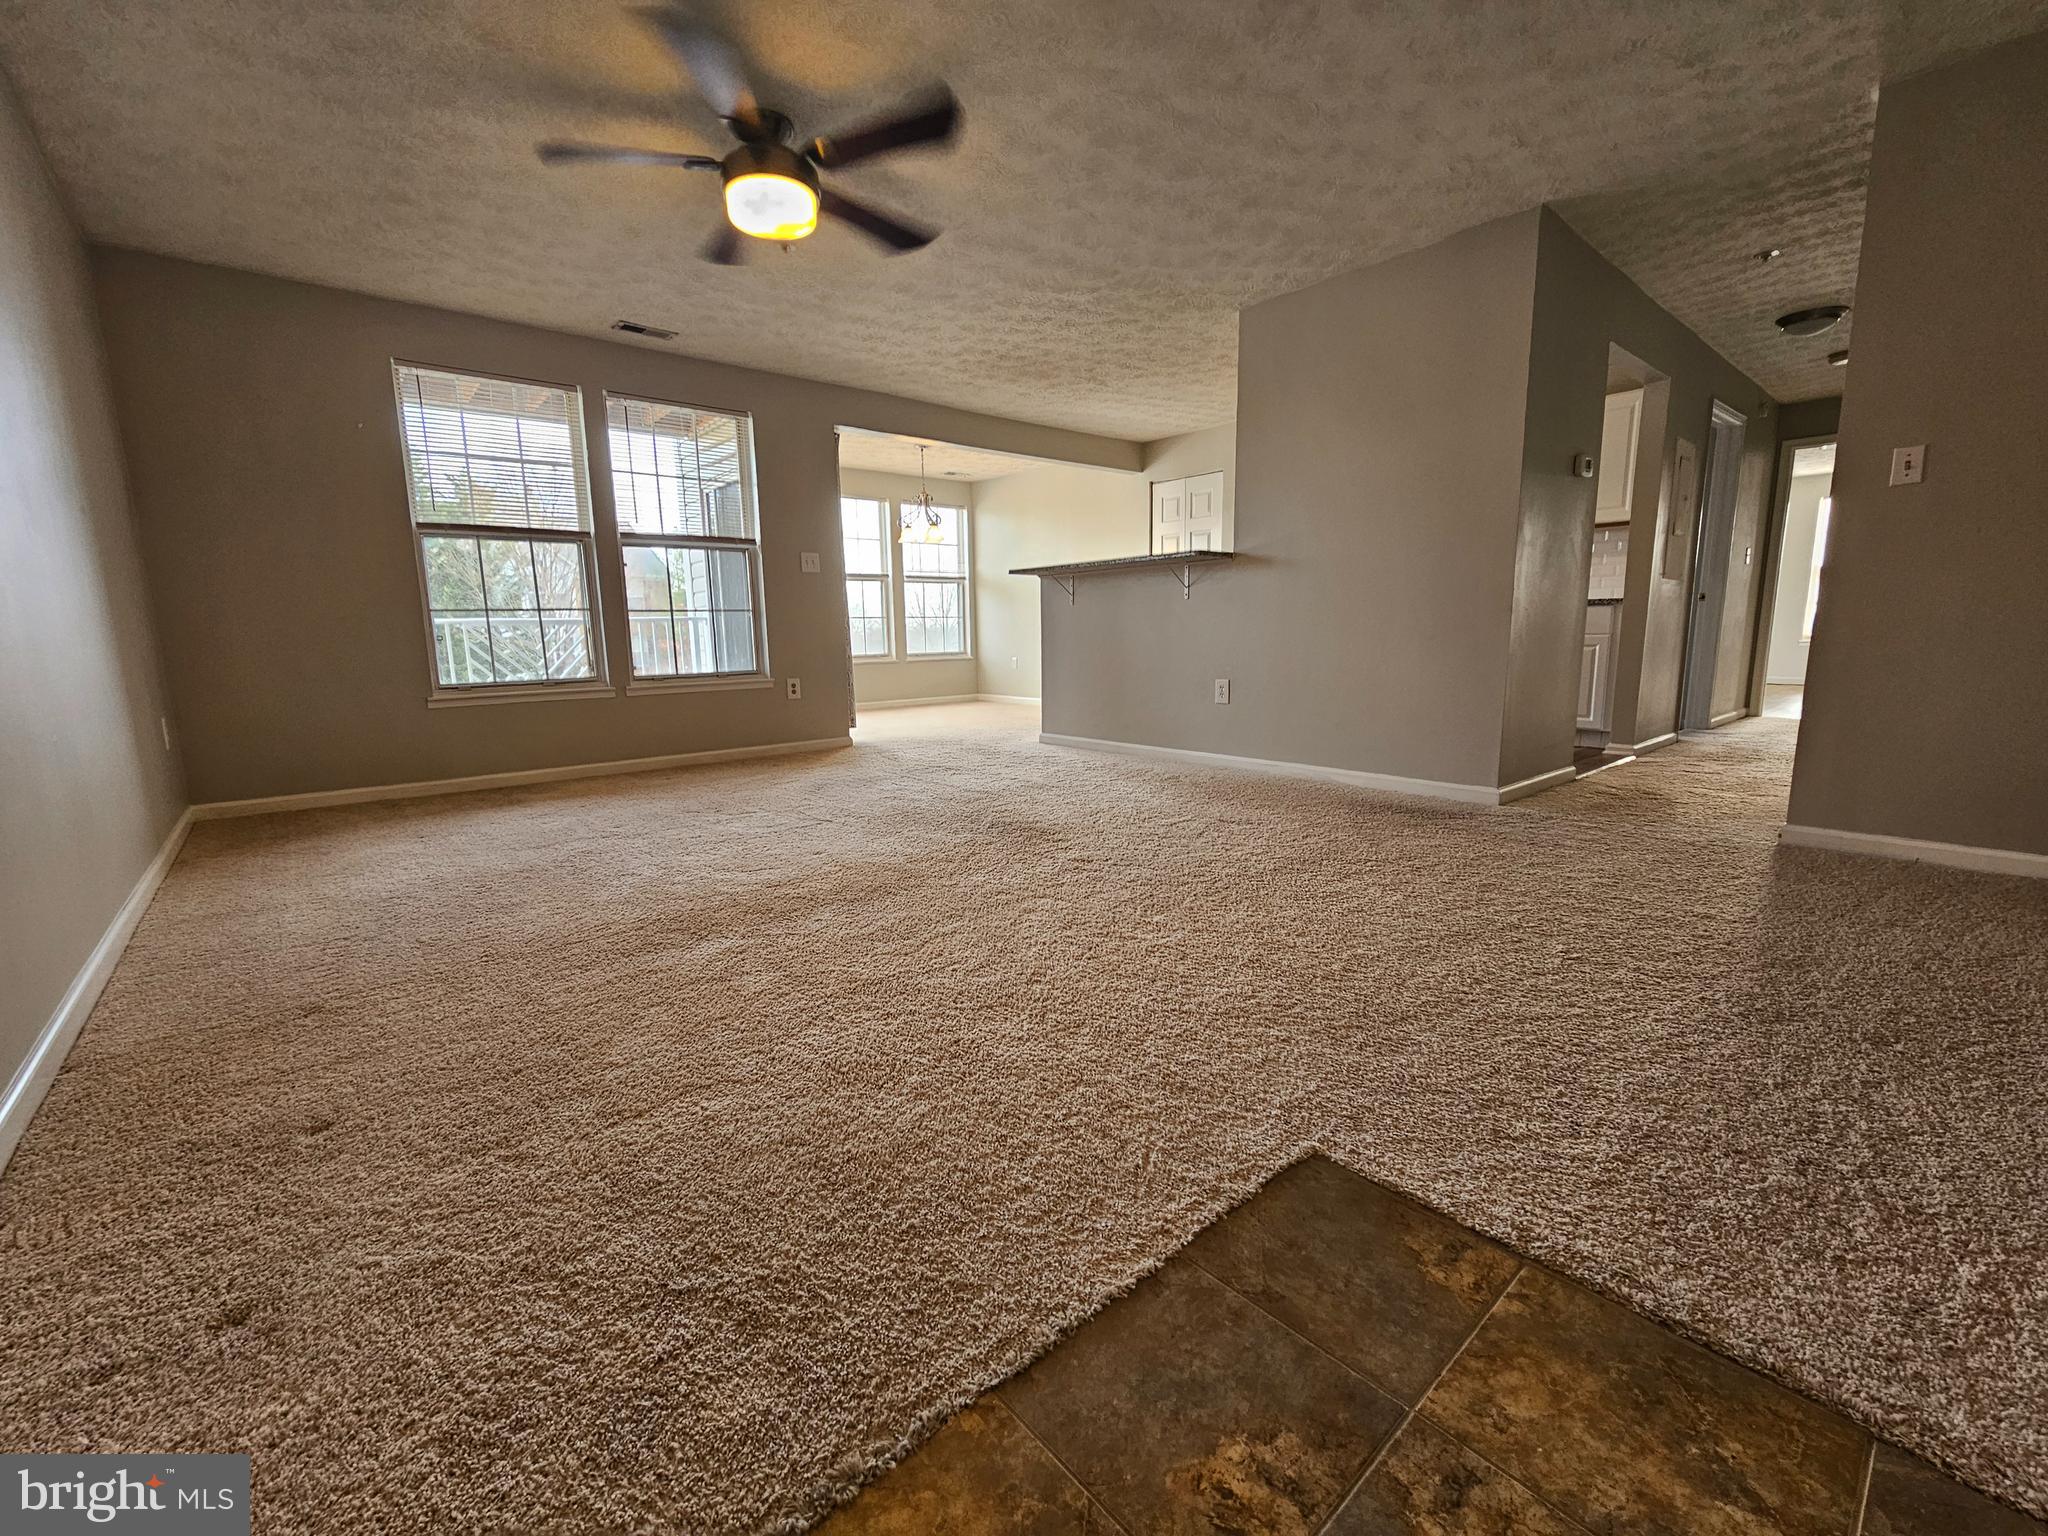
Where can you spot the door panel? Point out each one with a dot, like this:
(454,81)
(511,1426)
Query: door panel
(1707,598)
(1205,511)
(1169,515)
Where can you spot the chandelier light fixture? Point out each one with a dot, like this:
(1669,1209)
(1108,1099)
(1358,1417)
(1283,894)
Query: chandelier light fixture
(921,521)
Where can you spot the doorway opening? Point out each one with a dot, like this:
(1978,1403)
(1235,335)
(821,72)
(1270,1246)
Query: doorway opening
(1709,592)
(930,535)
(1627,477)
(1805,507)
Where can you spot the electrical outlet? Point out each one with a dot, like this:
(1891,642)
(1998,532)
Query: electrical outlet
(809,559)
(796,687)
(1907,463)
(1222,690)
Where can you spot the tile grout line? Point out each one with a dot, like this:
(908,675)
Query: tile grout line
(1343,1365)
(1422,1397)
(1863,1498)
(1488,1461)
(1086,1492)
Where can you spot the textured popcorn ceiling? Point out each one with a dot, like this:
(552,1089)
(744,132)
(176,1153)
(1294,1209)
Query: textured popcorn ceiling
(895,455)
(1130,173)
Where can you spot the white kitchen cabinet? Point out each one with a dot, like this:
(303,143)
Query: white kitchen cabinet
(1596,668)
(1623,426)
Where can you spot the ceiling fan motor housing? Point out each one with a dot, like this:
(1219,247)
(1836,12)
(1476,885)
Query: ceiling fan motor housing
(768,159)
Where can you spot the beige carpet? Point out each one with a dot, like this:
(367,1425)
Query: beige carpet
(663,1152)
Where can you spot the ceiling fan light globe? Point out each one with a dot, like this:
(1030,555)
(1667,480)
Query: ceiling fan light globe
(771,207)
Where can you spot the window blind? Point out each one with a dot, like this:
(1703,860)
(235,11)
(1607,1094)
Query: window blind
(495,453)
(681,470)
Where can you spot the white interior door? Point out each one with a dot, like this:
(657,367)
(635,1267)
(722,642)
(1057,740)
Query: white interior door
(1169,516)
(1711,560)
(1204,515)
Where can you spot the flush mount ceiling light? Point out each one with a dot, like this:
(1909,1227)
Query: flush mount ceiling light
(1767,255)
(771,193)
(1812,322)
(771,184)
(1839,359)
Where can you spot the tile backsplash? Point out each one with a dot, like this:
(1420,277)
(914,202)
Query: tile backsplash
(1610,562)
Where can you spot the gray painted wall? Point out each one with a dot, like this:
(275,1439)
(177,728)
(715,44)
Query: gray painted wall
(91,789)
(1810,418)
(1926,714)
(1583,303)
(263,440)
(1364,622)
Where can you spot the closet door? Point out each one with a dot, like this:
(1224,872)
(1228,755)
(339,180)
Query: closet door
(1169,516)
(1204,514)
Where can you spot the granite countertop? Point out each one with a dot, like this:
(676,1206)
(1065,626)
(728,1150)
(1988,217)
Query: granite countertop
(1126,562)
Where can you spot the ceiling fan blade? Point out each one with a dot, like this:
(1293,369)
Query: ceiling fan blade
(934,122)
(570,152)
(713,63)
(892,232)
(723,248)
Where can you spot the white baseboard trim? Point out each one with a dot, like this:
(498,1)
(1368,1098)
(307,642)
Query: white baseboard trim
(1008,698)
(45,1058)
(1434,789)
(1645,746)
(1990,861)
(861,706)
(215,810)
(1728,718)
(1535,784)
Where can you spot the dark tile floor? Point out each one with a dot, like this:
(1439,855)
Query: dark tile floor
(1332,1358)
(1590,760)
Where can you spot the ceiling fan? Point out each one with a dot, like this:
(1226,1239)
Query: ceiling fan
(772,188)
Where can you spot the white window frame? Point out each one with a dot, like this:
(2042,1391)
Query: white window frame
(965,581)
(761,675)
(443,694)
(886,510)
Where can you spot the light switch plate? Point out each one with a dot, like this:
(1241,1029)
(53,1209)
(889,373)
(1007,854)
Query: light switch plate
(810,562)
(1907,464)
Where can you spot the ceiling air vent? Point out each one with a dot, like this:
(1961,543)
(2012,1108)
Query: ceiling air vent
(635,328)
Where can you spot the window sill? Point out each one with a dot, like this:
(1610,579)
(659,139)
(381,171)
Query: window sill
(518,693)
(872,661)
(697,684)
(943,656)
